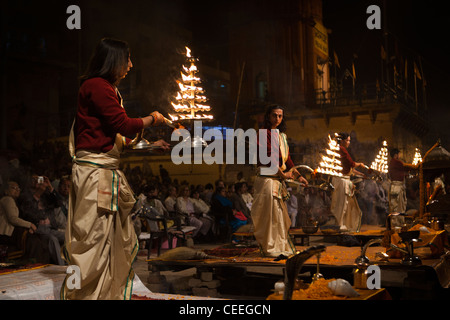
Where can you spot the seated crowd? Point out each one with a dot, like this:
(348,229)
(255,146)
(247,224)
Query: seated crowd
(33,210)
(34,219)
(214,213)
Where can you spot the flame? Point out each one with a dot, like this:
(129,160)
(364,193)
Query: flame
(189,77)
(185,87)
(192,68)
(181,117)
(380,163)
(187,96)
(180,107)
(331,163)
(417,157)
(190,98)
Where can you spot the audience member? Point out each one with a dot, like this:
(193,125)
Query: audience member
(37,205)
(228,220)
(207,193)
(150,204)
(58,219)
(238,201)
(171,200)
(247,196)
(203,210)
(219,183)
(200,206)
(11,225)
(150,199)
(230,191)
(185,205)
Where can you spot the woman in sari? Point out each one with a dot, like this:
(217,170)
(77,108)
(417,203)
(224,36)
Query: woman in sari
(269,212)
(100,239)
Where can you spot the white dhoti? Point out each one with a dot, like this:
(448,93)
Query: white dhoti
(100,237)
(344,205)
(270,218)
(397,197)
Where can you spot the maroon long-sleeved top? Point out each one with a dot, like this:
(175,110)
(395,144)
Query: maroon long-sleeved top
(346,160)
(397,170)
(100,117)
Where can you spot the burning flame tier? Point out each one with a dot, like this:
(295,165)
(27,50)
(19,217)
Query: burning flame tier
(190,99)
(331,162)
(380,163)
(417,157)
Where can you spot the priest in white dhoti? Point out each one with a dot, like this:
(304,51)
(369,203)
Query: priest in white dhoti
(344,205)
(269,212)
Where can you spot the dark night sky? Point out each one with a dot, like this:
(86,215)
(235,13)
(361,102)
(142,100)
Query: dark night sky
(420,29)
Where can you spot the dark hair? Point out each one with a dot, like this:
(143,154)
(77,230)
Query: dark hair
(218,181)
(267,125)
(238,186)
(148,188)
(194,192)
(219,189)
(209,186)
(341,136)
(109,60)
(393,152)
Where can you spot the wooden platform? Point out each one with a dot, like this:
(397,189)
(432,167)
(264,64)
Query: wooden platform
(335,262)
(303,239)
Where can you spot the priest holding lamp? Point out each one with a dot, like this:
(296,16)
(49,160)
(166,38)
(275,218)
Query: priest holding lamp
(100,238)
(344,206)
(397,173)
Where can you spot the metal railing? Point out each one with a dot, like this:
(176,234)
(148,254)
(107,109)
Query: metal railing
(369,94)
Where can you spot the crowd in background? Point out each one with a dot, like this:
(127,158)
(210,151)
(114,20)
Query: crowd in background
(34,199)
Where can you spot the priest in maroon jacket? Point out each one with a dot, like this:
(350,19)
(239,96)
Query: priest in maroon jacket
(100,242)
(397,173)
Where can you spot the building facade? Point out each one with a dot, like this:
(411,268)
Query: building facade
(281,55)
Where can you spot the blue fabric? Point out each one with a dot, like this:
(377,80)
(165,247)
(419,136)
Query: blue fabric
(224,201)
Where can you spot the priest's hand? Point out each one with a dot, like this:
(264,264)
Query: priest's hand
(303,181)
(162,145)
(158,119)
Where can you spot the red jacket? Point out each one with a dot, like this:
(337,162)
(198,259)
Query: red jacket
(397,170)
(100,117)
(346,160)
